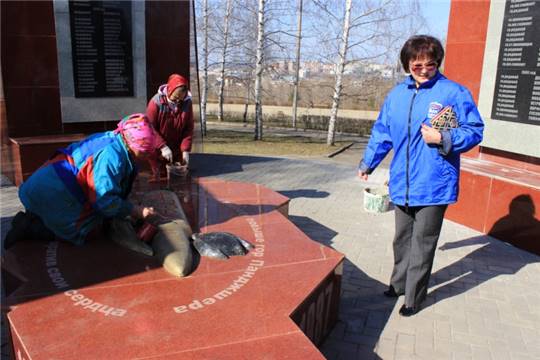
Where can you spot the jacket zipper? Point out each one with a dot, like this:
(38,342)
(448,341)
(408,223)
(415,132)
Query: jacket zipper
(408,149)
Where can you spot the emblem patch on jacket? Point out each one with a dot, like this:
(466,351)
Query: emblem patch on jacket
(445,119)
(434,109)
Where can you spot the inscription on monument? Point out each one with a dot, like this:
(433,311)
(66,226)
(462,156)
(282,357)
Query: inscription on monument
(517,87)
(101,48)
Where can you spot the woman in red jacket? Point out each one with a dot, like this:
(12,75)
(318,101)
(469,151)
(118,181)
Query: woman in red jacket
(170,111)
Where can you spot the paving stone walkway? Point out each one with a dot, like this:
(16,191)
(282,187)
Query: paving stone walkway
(484,298)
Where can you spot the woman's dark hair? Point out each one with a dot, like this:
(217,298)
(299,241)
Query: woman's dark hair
(419,46)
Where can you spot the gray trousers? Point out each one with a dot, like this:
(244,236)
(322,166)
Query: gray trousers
(415,241)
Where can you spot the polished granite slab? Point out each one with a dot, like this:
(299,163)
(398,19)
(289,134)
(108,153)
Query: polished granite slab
(103,301)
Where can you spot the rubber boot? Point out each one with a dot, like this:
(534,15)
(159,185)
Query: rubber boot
(20,226)
(38,230)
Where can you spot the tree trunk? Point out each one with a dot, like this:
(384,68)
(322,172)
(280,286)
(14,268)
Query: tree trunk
(259,71)
(247,103)
(204,97)
(223,58)
(339,74)
(297,65)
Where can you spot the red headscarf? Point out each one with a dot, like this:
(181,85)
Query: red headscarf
(174,82)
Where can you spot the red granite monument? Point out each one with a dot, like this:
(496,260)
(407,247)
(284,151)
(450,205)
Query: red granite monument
(103,301)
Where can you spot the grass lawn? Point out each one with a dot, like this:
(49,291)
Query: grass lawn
(242,143)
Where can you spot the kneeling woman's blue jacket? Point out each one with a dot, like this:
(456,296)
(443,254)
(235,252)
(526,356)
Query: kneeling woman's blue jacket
(422,174)
(84,183)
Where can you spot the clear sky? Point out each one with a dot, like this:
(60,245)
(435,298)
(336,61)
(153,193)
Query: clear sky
(436,13)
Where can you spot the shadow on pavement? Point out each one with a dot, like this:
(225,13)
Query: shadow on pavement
(314,230)
(222,164)
(479,266)
(306,193)
(364,310)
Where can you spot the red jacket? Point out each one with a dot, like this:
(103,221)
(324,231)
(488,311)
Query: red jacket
(174,123)
(175,128)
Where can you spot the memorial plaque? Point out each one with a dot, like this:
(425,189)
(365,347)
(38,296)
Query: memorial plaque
(101,48)
(517,87)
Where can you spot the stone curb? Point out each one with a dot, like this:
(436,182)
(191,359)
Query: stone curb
(340,150)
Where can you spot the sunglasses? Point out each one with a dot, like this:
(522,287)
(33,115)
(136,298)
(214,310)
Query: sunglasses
(416,67)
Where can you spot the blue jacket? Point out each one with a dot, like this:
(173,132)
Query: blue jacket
(422,174)
(82,184)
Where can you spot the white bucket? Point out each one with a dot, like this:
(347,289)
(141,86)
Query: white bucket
(376,200)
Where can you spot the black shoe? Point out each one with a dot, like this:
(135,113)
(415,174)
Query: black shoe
(18,231)
(408,311)
(391,292)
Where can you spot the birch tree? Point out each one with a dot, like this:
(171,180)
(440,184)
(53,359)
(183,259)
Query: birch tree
(339,74)
(244,60)
(204,95)
(242,54)
(259,71)
(363,33)
(207,36)
(297,64)
(264,37)
(228,10)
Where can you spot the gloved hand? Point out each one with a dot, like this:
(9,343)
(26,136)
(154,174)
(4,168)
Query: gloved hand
(185,158)
(166,153)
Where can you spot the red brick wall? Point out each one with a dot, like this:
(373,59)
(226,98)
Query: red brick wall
(467,29)
(491,204)
(30,68)
(30,101)
(167,42)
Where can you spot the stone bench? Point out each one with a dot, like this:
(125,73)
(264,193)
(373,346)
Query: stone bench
(29,153)
(497,199)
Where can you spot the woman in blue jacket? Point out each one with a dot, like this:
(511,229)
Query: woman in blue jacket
(84,183)
(424,172)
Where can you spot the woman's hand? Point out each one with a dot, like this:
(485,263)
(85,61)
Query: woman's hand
(141,212)
(430,135)
(148,211)
(362,175)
